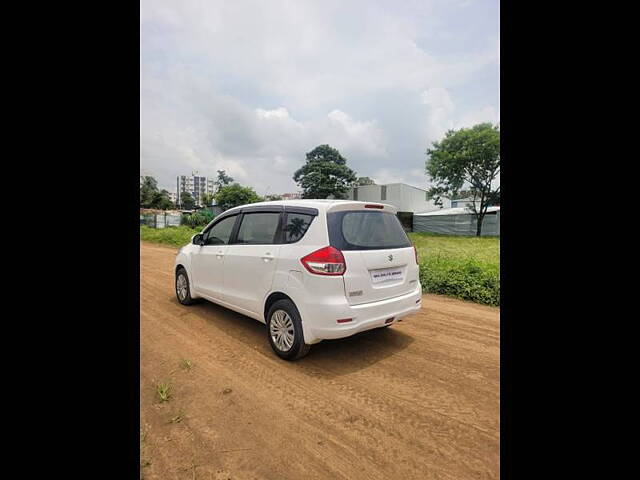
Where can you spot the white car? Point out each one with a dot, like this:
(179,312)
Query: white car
(309,269)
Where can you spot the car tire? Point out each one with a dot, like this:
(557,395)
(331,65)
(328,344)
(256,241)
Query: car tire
(286,337)
(183,288)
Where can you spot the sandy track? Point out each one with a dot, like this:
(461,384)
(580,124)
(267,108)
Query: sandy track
(417,400)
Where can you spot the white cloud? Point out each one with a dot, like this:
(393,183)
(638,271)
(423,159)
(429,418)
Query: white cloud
(250,87)
(277,113)
(485,114)
(440,110)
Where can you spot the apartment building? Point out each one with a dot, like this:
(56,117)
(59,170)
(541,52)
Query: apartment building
(195,185)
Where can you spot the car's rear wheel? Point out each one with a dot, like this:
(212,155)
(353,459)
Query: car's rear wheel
(284,329)
(183,289)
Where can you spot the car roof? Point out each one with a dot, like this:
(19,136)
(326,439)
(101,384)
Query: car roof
(320,204)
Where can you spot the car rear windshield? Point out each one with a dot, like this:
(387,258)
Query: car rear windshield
(366,230)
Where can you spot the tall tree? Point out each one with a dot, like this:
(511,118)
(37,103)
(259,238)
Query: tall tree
(223,179)
(361,181)
(162,201)
(148,191)
(187,201)
(273,196)
(207,199)
(469,157)
(325,174)
(235,194)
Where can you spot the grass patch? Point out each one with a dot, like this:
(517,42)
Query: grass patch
(174,236)
(164,392)
(186,364)
(463,267)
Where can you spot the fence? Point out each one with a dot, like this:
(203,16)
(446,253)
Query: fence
(160,220)
(457,224)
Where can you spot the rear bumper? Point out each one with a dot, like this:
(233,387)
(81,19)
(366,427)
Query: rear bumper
(320,322)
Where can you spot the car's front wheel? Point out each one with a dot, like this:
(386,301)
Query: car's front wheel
(183,289)
(284,329)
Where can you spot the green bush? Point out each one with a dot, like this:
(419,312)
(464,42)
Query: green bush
(464,267)
(462,278)
(200,218)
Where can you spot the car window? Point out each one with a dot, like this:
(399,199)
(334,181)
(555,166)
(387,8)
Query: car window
(220,233)
(363,230)
(258,228)
(296,227)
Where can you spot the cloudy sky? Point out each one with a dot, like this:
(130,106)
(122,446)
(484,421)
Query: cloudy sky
(251,86)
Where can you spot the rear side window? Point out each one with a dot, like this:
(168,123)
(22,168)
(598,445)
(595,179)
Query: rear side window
(258,228)
(366,230)
(297,225)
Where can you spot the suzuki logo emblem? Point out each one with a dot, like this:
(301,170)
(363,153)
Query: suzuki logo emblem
(390,258)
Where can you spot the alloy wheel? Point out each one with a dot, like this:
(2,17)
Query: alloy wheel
(181,287)
(281,330)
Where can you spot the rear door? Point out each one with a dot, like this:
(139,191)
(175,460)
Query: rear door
(379,256)
(251,259)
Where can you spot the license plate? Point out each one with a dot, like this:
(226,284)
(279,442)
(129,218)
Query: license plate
(386,275)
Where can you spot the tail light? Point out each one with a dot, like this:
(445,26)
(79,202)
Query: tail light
(326,261)
(415,250)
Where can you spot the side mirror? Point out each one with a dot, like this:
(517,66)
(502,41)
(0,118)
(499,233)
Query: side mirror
(197,239)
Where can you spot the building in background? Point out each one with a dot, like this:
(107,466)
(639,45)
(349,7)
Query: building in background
(405,198)
(467,202)
(291,196)
(173,197)
(195,185)
(461,202)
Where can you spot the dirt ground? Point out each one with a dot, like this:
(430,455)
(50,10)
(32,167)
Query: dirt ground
(418,400)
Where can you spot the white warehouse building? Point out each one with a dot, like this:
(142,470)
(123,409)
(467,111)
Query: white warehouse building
(405,198)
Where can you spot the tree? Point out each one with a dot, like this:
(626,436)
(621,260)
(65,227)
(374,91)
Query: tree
(148,189)
(467,157)
(235,194)
(272,197)
(162,201)
(187,201)
(325,174)
(364,181)
(151,197)
(207,199)
(223,180)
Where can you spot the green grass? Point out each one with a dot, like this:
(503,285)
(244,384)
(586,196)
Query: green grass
(186,364)
(175,236)
(461,267)
(163,391)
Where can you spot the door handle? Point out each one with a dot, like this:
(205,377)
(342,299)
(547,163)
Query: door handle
(267,256)
(219,254)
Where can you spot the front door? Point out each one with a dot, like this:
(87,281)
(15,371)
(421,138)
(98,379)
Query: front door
(208,262)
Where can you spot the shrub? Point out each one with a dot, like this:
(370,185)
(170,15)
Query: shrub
(200,218)
(462,278)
